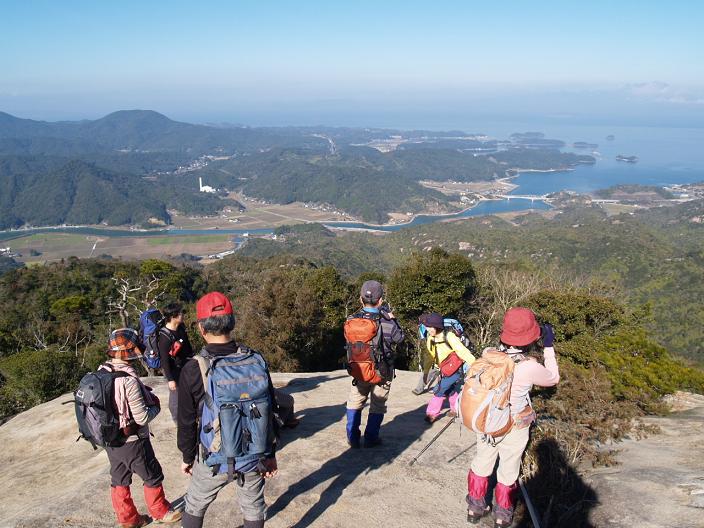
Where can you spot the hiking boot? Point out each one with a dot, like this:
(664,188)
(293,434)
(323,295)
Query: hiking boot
(372,442)
(498,523)
(171,516)
(291,423)
(431,419)
(503,517)
(142,521)
(474,515)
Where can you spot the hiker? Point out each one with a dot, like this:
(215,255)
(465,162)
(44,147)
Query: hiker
(174,350)
(136,406)
(520,339)
(370,362)
(450,356)
(225,418)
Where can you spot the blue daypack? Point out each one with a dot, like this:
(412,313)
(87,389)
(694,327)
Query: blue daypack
(236,423)
(150,323)
(450,324)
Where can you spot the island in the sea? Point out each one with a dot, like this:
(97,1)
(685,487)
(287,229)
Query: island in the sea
(627,159)
(610,137)
(584,145)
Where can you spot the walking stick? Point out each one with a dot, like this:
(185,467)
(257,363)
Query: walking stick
(529,504)
(448,424)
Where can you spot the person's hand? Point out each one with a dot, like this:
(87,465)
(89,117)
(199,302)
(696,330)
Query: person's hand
(187,469)
(172,385)
(548,335)
(270,467)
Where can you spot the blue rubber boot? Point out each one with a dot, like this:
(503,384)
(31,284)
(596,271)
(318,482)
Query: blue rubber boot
(371,433)
(354,418)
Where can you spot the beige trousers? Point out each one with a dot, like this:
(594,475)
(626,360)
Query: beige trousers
(360,392)
(509,450)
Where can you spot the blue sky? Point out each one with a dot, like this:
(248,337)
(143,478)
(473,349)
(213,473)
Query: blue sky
(242,59)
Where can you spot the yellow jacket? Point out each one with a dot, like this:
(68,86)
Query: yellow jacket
(444,344)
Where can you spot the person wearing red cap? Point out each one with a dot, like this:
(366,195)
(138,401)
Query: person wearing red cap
(216,321)
(136,407)
(520,339)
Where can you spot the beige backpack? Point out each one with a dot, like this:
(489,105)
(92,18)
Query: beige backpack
(485,400)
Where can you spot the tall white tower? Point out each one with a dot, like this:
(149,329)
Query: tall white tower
(200,184)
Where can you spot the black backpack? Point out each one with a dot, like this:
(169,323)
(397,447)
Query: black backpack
(98,422)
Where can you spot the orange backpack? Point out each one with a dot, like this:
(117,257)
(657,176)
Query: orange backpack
(362,354)
(485,399)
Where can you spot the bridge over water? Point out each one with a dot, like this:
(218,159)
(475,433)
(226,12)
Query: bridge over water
(531,197)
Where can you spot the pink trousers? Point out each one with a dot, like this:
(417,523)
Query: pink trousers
(436,402)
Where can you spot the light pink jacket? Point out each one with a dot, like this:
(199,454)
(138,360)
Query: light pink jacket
(528,373)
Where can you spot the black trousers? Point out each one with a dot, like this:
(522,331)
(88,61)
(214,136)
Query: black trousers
(134,457)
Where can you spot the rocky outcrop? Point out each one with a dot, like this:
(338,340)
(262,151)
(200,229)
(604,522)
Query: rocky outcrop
(49,480)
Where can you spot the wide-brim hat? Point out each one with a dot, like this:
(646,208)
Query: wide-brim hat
(520,327)
(124,344)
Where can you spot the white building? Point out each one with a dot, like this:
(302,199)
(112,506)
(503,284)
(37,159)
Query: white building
(205,188)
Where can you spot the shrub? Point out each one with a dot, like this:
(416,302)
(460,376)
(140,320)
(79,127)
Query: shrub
(34,376)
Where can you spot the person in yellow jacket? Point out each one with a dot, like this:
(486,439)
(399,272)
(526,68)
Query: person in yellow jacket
(441,345)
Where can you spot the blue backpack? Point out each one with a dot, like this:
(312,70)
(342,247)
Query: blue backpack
(150,323)
(236,425)
(450,324)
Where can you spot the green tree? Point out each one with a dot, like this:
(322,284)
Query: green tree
(435,281)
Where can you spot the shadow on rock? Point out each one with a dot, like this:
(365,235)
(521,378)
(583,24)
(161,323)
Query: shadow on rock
(306,384)
(349,465)
(312,420)
(558,493)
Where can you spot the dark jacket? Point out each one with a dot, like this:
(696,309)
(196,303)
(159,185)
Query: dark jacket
(191,394)
(172,365)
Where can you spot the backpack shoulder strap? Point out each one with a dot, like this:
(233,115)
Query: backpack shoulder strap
(168,333)
(204,363)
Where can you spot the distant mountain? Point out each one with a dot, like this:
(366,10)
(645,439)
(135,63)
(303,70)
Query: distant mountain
(148,130)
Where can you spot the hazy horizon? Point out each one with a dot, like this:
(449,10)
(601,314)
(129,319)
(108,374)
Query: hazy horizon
(361,64)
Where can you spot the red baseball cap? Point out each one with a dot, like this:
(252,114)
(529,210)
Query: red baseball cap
(211,304)
(520,327)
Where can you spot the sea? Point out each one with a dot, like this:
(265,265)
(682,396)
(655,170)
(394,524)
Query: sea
(666,156)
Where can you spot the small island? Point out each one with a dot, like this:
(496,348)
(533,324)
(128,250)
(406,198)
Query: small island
(610,137)
(584,145)
(627,159)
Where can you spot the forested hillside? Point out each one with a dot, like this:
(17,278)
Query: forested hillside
(44,191)
(282,165)
(654,258)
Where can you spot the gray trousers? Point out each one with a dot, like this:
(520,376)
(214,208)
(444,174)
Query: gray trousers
(205,486)
(173,405)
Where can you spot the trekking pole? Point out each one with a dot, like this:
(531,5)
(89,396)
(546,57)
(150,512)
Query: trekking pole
(448,424)
(529,504)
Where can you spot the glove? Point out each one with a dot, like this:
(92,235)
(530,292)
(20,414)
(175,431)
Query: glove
(548,334)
